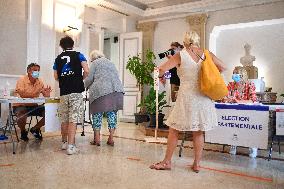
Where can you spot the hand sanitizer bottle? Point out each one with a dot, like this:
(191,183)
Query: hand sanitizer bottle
(6,92)
(262,85)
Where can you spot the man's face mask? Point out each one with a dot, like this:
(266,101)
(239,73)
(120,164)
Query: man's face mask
(35,74)
(236,77)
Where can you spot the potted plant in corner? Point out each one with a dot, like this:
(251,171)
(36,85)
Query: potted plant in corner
(150,104)
(142,71)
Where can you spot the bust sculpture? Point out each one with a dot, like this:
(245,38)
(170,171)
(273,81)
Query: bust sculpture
(248,59)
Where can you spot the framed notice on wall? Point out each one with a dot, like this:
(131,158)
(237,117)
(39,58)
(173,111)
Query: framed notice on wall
(240,125)
(280,122)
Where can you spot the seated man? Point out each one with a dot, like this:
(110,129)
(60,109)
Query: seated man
(30,86)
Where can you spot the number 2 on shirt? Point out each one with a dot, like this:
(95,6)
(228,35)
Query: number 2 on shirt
(67,58)
(66,70)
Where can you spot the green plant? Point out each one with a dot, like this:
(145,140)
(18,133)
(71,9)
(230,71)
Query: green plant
(149,101)
(142,71)
(282,95)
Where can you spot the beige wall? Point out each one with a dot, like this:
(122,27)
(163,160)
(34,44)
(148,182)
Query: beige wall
(243,15)
(268,50)
(267,46)
(13,36)
(167,32)
(266,39)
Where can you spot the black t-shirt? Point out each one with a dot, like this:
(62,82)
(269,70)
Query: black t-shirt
(69,70)
(174,77)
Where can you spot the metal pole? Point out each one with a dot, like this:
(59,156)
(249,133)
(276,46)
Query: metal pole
(157,114)
(156,87)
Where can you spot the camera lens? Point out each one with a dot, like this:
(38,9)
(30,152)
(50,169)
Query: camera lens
(167,53)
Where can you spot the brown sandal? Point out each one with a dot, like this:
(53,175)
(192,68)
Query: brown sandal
(110,143)
(95,143)
(160,166)
(195,169)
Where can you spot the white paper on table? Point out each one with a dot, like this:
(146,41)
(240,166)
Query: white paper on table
(52,122)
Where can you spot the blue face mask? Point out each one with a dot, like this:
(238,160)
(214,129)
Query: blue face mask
(236,77)
(35,74)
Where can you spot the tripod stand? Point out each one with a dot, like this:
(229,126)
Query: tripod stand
(85,101)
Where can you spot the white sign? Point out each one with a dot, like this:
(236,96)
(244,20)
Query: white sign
(240,125)
(279,121)
(52,122)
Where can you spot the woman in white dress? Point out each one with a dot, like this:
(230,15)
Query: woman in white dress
(193,111)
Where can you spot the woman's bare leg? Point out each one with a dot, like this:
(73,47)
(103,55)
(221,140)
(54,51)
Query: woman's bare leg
(111,133)
(97,136)
(172,143)
(198,143)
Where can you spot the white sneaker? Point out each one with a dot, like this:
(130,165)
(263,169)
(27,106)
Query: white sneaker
(64,146)
(72,149)
(233,150)
(252,152)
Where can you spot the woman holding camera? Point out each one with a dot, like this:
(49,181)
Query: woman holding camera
(174,80)
(193,110)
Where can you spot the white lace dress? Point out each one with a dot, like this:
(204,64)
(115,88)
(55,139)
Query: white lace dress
(193,111)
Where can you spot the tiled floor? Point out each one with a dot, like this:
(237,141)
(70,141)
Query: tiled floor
(44,165)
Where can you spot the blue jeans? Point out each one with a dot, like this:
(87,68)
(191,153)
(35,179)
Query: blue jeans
(111,119)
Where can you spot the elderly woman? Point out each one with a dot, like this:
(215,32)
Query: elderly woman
(105,94)
(241,90)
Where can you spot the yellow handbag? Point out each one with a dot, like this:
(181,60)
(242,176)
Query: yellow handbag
(211,82)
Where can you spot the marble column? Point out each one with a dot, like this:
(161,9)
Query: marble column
(197,23)
(147,29)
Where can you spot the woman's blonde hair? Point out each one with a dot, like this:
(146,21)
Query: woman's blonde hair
(191,38)
(95,54)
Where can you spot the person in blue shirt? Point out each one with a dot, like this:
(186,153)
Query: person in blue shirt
(68,68)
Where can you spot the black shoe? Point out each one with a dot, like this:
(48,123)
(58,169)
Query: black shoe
(36,133)
(24,135)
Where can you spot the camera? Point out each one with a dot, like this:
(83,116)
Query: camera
(167,53)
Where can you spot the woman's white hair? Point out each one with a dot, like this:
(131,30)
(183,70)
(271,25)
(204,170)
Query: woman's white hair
(191,38)
(95,54)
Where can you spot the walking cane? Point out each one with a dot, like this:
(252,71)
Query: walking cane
(84,116)
(156,87)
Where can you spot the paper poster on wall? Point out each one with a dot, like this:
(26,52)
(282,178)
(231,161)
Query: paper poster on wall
(240,125)
(52,122)
(279,121)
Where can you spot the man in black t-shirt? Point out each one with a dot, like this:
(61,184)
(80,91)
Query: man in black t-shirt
(68,68)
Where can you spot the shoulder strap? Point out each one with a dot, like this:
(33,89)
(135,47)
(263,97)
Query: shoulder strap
(199,55)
